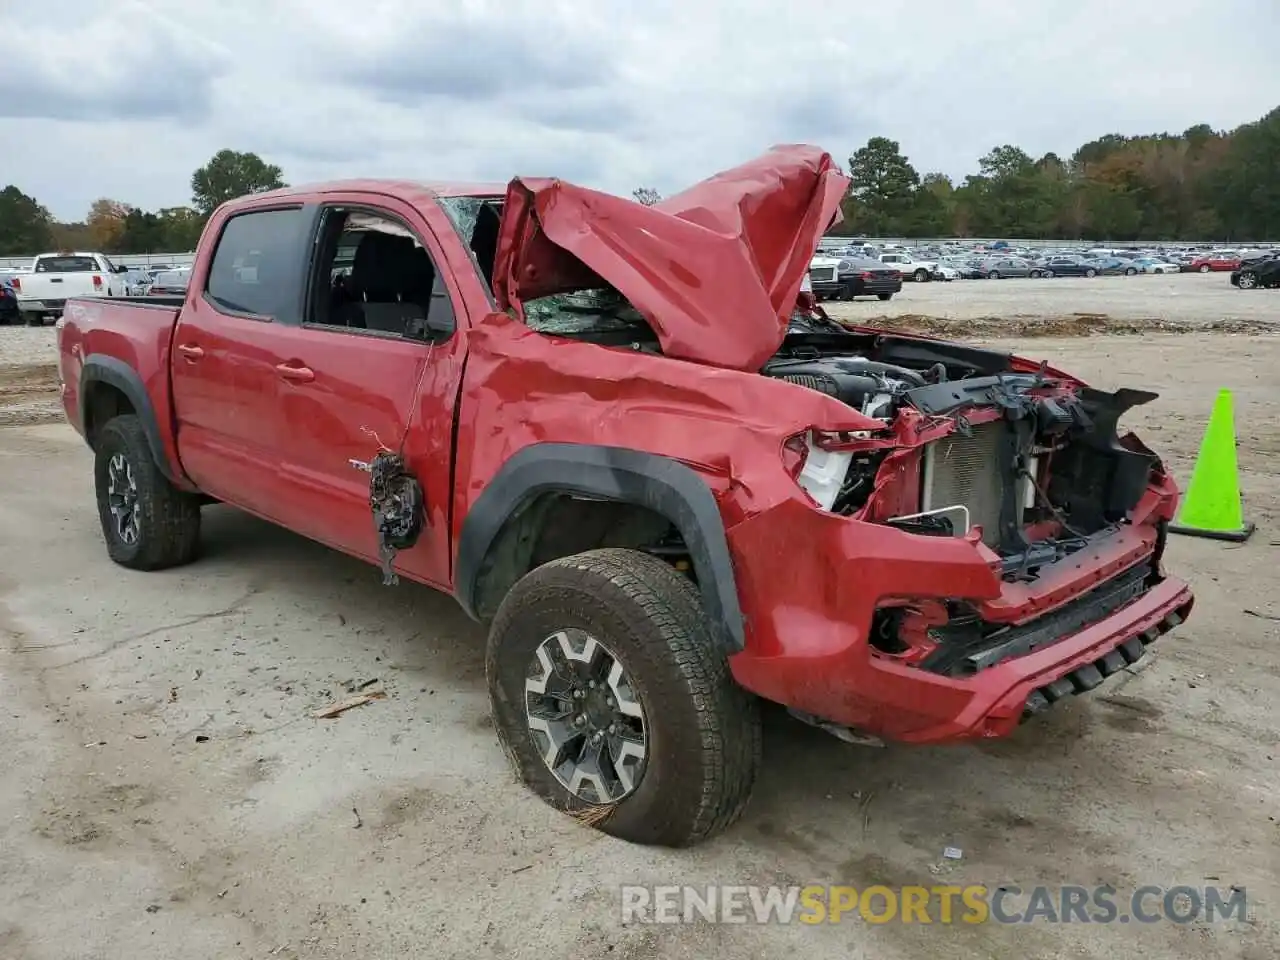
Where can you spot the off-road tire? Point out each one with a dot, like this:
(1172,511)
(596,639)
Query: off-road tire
(168,518)
(703,730)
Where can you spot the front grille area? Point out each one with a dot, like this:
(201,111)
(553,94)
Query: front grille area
(968,645)
(965,470)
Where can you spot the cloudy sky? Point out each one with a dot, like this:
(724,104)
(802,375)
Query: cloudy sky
(125,98)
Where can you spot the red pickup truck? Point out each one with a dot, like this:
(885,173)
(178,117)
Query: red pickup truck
(618,436)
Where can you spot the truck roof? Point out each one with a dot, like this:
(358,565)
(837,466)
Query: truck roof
(392,186)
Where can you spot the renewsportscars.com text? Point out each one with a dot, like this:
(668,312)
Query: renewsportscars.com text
(971,904)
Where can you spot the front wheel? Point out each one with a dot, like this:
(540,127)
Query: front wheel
(614,702)
(885,296)
(1035,274)
(1091,272)
(147,522)
(35,319)
(921,275)
(1247,281)
(1205,268)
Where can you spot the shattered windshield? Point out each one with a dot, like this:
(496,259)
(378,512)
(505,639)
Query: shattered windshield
(464,212)
(584,311)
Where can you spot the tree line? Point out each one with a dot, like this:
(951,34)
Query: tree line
(1201,184)
(111,226)
(1198,185)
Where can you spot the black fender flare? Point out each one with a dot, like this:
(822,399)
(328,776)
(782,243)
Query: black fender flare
(659,483)
(101,368)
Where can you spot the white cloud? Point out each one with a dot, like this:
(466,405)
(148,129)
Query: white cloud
(131,97)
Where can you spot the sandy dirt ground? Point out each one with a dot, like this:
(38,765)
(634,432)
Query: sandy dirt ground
(168,793)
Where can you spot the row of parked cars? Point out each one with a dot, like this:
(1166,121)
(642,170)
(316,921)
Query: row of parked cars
(38,292)
(857,269)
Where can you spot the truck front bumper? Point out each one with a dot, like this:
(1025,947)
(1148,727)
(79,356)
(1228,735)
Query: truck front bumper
(810,611)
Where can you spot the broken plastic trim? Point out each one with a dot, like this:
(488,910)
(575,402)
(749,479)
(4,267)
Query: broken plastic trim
(395,496)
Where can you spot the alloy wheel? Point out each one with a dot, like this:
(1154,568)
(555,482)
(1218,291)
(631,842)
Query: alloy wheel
(1247,281)
(585,717)
(122,498)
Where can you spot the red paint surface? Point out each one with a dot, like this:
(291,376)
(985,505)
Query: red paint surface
(717,270)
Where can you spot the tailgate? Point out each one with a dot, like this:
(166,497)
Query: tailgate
(59,286)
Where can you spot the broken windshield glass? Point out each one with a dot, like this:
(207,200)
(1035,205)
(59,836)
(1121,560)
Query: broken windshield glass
(464,212)
(584,311)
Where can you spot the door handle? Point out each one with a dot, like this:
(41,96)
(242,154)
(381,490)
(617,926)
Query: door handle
(190,351)
(295,373)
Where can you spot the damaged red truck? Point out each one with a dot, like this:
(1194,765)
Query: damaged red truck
(612,434)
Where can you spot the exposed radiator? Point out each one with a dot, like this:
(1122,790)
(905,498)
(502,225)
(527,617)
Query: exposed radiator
(966,470)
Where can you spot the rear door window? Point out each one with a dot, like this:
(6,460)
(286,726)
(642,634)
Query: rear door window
(259,265)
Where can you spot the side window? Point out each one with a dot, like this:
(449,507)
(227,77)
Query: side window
(372,273)
(258,264)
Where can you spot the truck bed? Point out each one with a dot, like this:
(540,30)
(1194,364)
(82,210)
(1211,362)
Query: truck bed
(121,333)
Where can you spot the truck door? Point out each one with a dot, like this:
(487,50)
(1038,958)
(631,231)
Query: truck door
(240,302)
(376,354)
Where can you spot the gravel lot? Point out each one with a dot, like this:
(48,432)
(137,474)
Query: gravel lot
(397,829)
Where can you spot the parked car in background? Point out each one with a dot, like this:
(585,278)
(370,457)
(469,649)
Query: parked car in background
(1155,265)
(1069,267)
(921,271)
(1221,261)
(967,267)
(998,268)
(849,277)
(1256,272)
(9,312)
(56,276)
(136,281)
(1114,267)
(170,283)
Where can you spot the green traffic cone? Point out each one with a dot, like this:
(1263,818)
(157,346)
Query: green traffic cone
(1211,505)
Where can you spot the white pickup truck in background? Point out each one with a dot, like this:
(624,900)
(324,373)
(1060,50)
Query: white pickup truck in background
(921,271)
(56,276)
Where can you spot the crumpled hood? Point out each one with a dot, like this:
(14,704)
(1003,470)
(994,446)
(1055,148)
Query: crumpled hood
(715,270)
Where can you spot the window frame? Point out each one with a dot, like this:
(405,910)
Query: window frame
(311,288)
(302,259)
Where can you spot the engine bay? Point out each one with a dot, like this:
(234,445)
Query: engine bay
(1032,459)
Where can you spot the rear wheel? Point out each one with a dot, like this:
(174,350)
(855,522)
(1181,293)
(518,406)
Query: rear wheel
(993,275)
(614,702)
(147,522)
(921,275)
(1129,271)
(1204,268)
(885,296)
(1035,274)
(1091,272)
